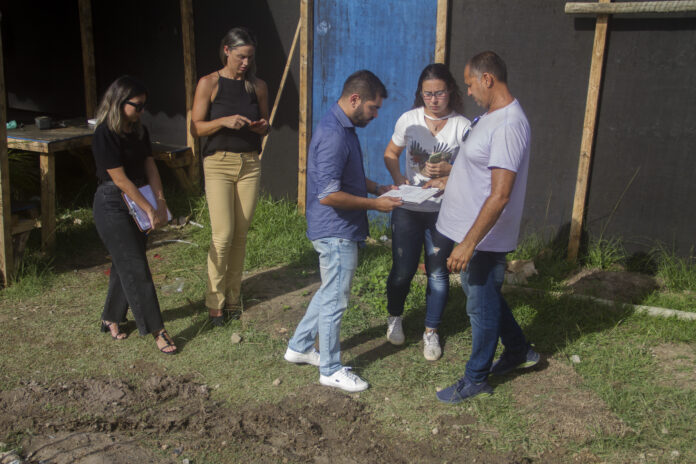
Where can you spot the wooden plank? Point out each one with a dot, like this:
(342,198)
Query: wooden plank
(25,225)
(30,138)
(681,6)
(47,164)
(87,36)
(305,118)
(441,31)
(188,38)
(588,135)
(6,260)
(282,84)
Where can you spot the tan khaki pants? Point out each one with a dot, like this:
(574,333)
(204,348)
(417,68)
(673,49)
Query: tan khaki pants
(232,182)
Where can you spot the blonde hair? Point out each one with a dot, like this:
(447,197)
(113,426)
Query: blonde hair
(110,111)
(240,37)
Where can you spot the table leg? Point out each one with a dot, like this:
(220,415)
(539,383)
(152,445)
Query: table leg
(47,162)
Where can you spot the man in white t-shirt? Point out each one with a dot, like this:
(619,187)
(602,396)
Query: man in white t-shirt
(481,211)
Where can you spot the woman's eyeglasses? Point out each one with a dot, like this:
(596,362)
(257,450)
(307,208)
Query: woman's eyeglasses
(138,106)
(430,95)
(468,130)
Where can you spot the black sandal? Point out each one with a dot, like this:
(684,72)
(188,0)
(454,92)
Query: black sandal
(217,321)
(168,340)
(106,327)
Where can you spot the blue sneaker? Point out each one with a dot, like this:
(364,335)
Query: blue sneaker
(463,390)
(508,362)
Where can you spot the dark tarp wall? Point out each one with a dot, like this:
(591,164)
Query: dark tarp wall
(42,59)
(646,125)
(43,63)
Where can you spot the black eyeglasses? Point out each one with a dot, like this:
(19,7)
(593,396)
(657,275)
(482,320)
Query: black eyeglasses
(138,106)
(468,130)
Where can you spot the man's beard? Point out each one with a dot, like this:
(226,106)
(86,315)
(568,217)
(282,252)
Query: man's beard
(359,118)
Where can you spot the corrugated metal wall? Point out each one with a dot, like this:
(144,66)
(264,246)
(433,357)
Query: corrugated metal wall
(395,39)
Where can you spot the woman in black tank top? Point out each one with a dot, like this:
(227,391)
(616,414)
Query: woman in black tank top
(230,108)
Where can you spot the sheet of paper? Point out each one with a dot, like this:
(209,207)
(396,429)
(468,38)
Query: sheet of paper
(412,194)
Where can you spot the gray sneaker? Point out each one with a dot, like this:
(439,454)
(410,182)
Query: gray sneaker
(431,346)
(395,330)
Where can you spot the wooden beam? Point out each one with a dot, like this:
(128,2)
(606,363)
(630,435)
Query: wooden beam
(6,260)
(441,31)
(188,38)
(305,120)
(588,134)
(282,83)
(88,68)
(681,6)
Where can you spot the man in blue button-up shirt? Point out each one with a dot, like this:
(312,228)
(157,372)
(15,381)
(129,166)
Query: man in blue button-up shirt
(336,222)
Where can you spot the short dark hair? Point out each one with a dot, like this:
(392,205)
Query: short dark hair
(365,84)
(441,72)
(488,62)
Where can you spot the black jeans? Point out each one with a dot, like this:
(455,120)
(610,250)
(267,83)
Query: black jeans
(130,282)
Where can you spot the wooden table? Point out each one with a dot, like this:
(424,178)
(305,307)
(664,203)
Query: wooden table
(47,143)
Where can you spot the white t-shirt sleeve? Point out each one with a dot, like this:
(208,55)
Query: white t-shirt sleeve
(399,137)
(508,144)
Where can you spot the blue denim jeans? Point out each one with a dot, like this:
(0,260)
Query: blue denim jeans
(411,231)
(488,312)
(338,258)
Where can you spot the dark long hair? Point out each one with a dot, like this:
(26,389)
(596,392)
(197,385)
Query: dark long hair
(441,72)
(110,111)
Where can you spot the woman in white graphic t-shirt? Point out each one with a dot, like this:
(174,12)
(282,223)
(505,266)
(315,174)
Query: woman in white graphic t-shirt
(429,135)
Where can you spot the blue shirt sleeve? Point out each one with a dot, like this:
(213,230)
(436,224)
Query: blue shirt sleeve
(330,155)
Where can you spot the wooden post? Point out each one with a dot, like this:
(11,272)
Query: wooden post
(187,35)
(588,134)
(47,165)
(305,120)
(441,31)
(87,36)
(6,259)
(282,83)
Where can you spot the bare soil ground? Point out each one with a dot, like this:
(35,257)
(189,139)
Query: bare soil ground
(112,420)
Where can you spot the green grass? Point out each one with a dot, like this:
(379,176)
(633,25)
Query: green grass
(59,306)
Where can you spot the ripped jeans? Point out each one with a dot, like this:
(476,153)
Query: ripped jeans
(411,231)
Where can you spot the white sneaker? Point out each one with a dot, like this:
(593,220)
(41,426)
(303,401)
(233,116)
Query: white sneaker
(431,346)
(310,357)
(345,380)
(395,331)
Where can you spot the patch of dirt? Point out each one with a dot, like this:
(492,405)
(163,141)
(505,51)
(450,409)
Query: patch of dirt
(560,408)
(89,448)
(627,287)
(676,365)
(276,298)
(102,420)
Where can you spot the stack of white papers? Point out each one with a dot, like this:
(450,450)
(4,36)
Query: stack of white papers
(411,194)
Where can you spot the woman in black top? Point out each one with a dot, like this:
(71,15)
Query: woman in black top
(230,108)
(123,156)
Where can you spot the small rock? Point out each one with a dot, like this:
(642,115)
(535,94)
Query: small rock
(282,330)
(664,431)
(224,443)
(675,454)
(185,461)
(438,389)
(435,431)
(575,359)
(235,338)
(165,446)
(277,382)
